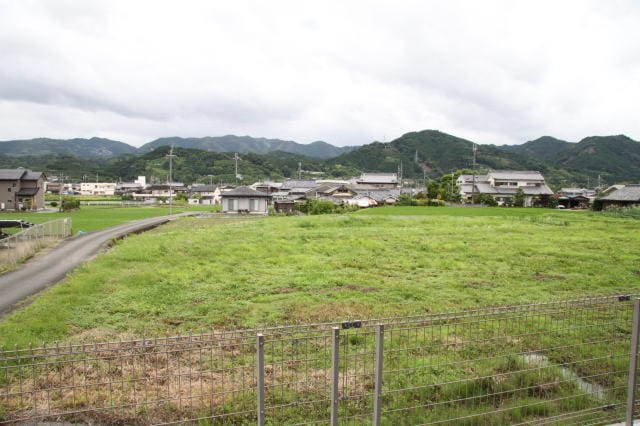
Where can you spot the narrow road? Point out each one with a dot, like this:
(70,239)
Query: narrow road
(51,267)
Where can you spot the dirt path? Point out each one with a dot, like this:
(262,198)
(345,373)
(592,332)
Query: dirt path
(51,267)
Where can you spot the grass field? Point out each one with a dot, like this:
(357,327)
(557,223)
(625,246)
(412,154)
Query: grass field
(91,218)
(198,273)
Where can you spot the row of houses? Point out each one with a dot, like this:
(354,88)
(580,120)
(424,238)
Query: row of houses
(22,189)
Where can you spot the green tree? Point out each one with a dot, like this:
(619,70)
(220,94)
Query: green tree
(518,200)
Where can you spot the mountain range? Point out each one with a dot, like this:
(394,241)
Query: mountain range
(427,153)
(107,148)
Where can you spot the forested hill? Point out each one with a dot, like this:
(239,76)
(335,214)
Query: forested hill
(81,148)
(247,144)
(433,153)
(614,158)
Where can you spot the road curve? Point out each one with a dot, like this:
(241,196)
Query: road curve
(51,267)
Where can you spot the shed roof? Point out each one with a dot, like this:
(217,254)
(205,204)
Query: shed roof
(245,191)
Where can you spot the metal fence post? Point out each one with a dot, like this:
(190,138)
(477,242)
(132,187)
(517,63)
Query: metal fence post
(633,363)
(335,371)
(377,392)
(260,375)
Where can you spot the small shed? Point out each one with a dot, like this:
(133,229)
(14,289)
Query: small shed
(244,200)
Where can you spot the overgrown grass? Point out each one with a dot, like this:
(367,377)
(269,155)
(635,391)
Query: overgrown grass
(197,273)
(92,218)
(464,211)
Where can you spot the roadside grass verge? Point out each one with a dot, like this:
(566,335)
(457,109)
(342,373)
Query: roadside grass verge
(92,218)
(201,273)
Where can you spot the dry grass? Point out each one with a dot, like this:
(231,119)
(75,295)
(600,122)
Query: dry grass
(158,381)
(14,252)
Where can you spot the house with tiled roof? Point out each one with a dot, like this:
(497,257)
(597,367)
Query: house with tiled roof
(503,185)
(21,189)
(244,200)
(627,196)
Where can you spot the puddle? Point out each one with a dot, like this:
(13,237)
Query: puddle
(542,361)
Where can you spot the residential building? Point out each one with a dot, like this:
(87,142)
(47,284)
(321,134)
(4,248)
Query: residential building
(244,200)
(97,188)
(21,189)
(627,196)
(503,185)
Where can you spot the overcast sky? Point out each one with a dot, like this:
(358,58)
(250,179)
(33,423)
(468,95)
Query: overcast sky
(346,72)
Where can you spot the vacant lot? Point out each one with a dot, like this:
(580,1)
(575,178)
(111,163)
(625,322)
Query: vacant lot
(195,274)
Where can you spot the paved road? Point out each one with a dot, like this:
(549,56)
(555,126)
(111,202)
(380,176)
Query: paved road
(49,268)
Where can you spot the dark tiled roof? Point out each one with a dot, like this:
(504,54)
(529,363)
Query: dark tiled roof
(12,174)
(245,191)
(628,193)
(32,175)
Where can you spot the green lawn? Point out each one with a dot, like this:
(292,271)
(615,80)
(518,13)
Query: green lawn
(198,273)
(91,218)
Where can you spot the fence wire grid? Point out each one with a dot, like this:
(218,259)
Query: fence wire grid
(27,242)
(549,363)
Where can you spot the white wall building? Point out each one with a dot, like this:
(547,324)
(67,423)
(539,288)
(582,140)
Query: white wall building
(97,188)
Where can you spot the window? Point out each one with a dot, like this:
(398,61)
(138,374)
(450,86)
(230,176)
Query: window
(231,204)
(253,204)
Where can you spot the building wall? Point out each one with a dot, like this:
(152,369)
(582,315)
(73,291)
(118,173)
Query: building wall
(233,205)
(37,202)
(8,191)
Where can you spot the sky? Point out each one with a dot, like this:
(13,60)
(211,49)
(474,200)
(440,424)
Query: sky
(345,72)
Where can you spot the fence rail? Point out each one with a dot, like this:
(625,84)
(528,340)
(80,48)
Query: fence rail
(552,363)
(27,242)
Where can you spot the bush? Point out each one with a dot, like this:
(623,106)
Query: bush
(70,203)
(316,207)
(485,199)
(54,204)
(406,200)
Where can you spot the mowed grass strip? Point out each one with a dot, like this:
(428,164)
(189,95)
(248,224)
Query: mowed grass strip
(92,218)
(195,274)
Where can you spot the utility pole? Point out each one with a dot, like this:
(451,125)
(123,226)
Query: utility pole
(473,186)
(235,157)
(170,156)
(300,170)
(210,180)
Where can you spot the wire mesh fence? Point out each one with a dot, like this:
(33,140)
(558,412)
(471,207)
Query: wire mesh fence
(552,363)
(27,242)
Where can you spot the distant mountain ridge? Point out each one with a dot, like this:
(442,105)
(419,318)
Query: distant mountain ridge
(420,155)
(106,148)
(79,147)
(245,144)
